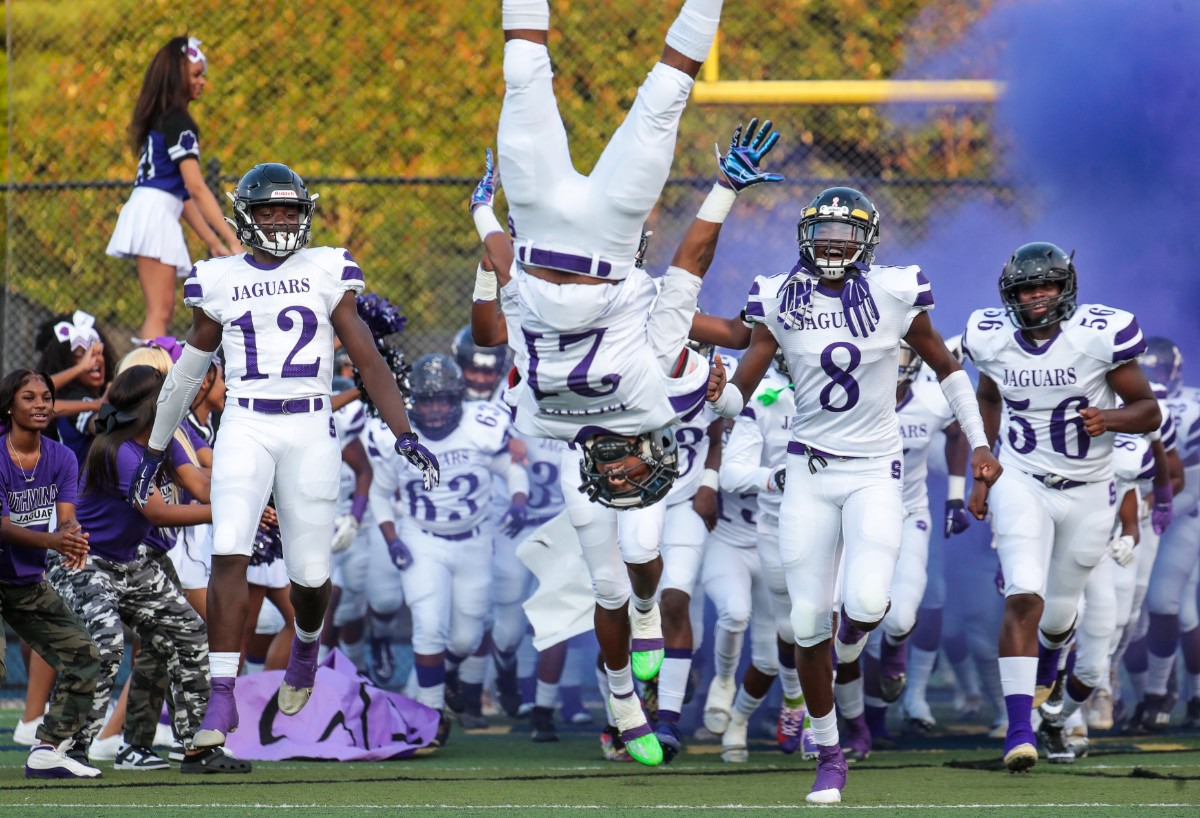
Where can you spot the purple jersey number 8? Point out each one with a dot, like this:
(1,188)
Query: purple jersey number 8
(840,376)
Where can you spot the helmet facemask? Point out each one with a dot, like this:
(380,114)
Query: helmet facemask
(839,229)
(621,471)
(910,364)
(272,184)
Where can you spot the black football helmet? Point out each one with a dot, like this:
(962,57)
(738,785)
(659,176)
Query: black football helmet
(910,365)
(482,367)
(437,390)
(271,183)
(642,484)
(1163,362)
(1037,263)
(839,227)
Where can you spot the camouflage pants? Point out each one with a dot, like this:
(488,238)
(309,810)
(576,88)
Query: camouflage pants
(139,594)
(149,683)
(40,616)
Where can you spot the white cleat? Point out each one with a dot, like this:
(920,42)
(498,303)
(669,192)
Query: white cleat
(733,742)
(719,704)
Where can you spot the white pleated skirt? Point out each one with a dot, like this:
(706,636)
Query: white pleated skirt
(149,226)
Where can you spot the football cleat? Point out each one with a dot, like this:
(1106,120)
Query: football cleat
(1047,674)
(442,736)
(221,717)
(647,646)
(298,679)
(1156,712)
(453,691)
(541,723)
(508,690)
(856,738)
(1053,706)
(1100,710)
(640,740)
(668,738)
(1020,758)
(611,746)
(1054,742)
(831,777)
(718,705)
(789,728)
(734,745)
(1077,741)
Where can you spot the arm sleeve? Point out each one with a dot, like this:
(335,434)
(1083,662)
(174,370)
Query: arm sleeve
(180,389)
(513,474)
(741,471)
(961,397)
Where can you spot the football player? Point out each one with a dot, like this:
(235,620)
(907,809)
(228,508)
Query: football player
(275,311)
(839,320)
(1057,378)
(1177,552)
(439,542)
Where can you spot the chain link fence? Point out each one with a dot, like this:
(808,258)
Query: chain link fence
(386,111)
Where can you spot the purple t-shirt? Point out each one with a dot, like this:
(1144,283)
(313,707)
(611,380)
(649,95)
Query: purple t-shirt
(30,504)
(115,528)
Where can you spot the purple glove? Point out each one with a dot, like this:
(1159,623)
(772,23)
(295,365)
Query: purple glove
(485,191)
(514,519)
(999,580)
(408,447)
(144,477)
(358,507)
(957,519)
(401,556)
(1164,508)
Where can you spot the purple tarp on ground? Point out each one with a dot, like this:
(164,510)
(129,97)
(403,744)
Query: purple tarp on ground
(347,719)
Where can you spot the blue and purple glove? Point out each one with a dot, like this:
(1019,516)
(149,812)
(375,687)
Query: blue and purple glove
(144,477)
(514,519)
(739,167)
(1164,508)
(401,556)
(408,447)
(957,520)
(999,580)
(485,191)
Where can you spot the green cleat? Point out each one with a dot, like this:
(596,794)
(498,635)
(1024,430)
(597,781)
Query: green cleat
(647,649)
(640,741)
(645,750)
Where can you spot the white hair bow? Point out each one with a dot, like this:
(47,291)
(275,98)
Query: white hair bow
(80,332)
(194,54)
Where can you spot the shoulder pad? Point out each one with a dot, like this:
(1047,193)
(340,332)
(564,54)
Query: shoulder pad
(762,297)
(906,284)
(987,331)
(1106,333)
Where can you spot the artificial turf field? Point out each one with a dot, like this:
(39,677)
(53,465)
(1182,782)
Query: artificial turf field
(501,772)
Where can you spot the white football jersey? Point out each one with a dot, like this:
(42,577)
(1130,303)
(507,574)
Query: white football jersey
(921,416)
(348,423)
(468,457)
(1044,387)
(543,459)
(1185,416)
(277,337)
(757,446)
(691,435)
(586,366)
(1133,464)
(845,384)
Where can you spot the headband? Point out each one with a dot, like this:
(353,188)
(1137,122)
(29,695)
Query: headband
(192,49)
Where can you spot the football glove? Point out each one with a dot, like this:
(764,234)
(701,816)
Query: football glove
(1164,508)
(345,529)
(779,479)
(408,447)
(401,556)
(485,191)
(957,520)
(1121,549)
(144,477)
(739,167)
(514,519)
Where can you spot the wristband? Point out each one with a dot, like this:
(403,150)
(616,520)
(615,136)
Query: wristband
(730,403)
(956,487)
(486,288)
(717,205)
(711,479)
(485,222)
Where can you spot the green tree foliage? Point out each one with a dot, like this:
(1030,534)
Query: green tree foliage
(374,88)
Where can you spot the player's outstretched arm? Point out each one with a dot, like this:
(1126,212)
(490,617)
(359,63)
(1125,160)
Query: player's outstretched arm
(497,244)
(488,328)
(380,384)
(738,170)
(180,388)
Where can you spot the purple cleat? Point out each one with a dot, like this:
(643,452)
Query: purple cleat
(893,671)
(221,717)
(789,729)
(1020,748)
(831,777)
(299,677)
(856,738)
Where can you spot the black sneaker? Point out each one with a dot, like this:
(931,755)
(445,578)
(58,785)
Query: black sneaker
(130,757)
(1156,713)
(213,760)
(443,731)
(1055,743)
(542,725)
(454,694)
(508,690)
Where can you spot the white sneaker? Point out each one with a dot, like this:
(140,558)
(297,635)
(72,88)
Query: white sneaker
(1100,710)
(46,761)
(734,749)
(26,732)
(719,704)
(105,749)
